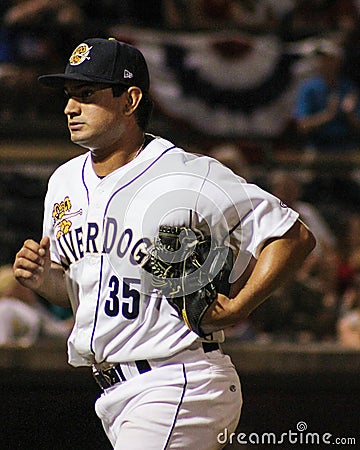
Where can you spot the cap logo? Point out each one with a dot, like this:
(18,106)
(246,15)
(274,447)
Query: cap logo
(80,54)
(128,74)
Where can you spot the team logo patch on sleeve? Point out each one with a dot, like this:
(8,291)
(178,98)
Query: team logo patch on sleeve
(80,54)
(61,214)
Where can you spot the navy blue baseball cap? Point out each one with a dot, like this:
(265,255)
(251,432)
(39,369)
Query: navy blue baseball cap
(103,61)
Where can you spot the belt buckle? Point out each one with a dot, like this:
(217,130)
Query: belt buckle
(104,378)
(210,346)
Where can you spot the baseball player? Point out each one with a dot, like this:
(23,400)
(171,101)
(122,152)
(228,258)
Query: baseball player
(151,327)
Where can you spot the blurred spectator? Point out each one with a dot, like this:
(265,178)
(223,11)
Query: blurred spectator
(306,19)
(198,14)
(231,156)
(214,13)
(102,15)
(328,109)
(351,45)
(343,15)
(348,325)
(34,34)
(320,271)
(252,15)
(295,313)
(42,31)
(349,258)
(353,241)
(99,16)
(261,15)
(306,308)
(147,13)
(178,14)
(287,186)
(349,329)
(316,18)
(23,318)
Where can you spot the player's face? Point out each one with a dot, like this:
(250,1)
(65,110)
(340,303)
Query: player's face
(95,117)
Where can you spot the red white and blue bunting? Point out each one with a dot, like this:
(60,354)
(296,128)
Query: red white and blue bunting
(224,84)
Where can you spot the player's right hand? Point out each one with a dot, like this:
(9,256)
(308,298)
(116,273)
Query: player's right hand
(32,263)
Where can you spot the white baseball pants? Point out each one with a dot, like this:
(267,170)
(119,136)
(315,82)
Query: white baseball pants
(185,402)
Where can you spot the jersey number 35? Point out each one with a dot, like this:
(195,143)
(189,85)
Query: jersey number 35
(123,298)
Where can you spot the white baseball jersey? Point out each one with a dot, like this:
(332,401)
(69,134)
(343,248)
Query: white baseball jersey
(100,228)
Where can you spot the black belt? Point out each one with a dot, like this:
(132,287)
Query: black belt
(106,378)
(210,346)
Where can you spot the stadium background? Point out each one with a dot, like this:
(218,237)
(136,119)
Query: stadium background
(220,77)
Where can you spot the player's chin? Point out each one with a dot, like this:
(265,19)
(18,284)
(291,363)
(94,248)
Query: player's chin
(79,139)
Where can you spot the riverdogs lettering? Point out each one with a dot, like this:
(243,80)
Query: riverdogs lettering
(75,242)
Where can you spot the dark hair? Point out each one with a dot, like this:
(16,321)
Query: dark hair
(119,89)
(143,111)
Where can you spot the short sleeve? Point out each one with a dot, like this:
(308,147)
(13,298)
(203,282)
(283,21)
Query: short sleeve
(249,214)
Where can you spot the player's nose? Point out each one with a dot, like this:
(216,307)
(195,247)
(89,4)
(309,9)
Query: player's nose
(72,107)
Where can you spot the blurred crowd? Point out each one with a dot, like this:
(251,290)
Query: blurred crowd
(25,318)
(38,35)
(323,303)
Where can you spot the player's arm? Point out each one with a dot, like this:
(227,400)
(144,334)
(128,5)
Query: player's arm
(34,269)
(279,260)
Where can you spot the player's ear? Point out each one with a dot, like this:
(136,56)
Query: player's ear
(133,97)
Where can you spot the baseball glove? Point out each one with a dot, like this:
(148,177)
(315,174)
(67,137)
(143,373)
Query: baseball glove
(189,270)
